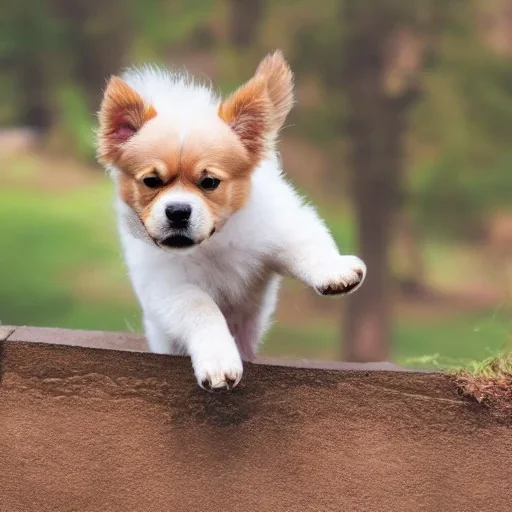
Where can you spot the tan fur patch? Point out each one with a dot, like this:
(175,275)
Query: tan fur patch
(248,112)
(259,108)
(278,77)
(122,113)
(212,150)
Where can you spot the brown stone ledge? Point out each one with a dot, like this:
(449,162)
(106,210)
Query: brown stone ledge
(90,430)
(135,343)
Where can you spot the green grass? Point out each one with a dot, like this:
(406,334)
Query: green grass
(493,367)
(311,341)
(448,342)
(49,243)
(455,340)
(489,382)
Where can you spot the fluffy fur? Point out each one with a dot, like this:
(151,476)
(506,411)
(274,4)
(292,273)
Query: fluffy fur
(207,277)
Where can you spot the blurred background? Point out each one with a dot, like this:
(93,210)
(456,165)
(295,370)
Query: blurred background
(401,136)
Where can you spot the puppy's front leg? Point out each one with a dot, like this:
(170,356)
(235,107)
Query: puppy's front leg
(310,255)
(192,318)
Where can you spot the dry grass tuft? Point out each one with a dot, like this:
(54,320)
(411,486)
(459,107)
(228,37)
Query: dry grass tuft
(489,382)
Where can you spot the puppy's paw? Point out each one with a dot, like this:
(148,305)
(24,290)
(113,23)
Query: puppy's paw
(219,371)
(346,278)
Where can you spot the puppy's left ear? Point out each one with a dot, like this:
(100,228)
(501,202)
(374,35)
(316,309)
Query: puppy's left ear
(278,77)
(256,112)
(122,114)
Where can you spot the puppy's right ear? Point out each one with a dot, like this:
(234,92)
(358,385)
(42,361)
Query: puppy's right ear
(123,113)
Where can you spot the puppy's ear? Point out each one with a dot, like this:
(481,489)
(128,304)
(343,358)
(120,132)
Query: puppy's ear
(249,113)
(278,76)
(122,114)
(257,111)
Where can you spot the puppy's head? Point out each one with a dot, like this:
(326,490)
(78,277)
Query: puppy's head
(184,169)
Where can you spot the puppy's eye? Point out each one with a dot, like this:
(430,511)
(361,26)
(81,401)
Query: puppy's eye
(209,183)
(152,181)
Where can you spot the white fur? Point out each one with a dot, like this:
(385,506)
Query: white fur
(215,302)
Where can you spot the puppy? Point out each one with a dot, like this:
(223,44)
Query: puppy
(207,221)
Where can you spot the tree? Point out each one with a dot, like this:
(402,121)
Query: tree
(98,34)
(376,125)
(466,122)
(244,18)
(371,57)
(28,44)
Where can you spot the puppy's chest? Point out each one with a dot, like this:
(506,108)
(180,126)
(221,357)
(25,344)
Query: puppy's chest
(231,276)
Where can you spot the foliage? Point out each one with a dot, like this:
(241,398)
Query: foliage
(77,123)
(464,122)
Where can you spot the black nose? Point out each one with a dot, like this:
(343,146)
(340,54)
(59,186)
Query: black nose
(178,214)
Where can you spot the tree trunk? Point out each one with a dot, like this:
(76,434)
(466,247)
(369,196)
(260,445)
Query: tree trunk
(244,21)
(35,110)
(102,54)
(376,164)
(409,257)
(99,35)
(376,128)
